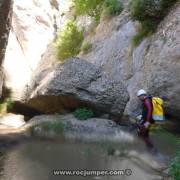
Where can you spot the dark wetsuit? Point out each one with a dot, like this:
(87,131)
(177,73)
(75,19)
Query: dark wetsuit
(147,109)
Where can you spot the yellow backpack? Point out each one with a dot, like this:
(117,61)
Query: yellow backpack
(158,111)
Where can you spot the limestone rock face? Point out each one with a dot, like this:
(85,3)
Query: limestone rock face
(5,21)
(157,64)
(112,46)
(154,65)
(1,81)
(34,24)
(76,83)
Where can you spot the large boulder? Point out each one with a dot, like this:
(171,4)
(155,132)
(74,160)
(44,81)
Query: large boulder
(5,21)
(76,83)
(112,48)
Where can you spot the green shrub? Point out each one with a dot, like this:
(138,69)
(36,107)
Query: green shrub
(113,7)
(86,47)
(1,105)
(83,113)
(138,38)
(9,103)
(88,7)
(69,42)
(145,9)
(166,4)
(6,105)
(94,8)
(142,10)
(149,13)
(148,27)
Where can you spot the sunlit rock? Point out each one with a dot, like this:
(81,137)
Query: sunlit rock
(12,120)
(34,25)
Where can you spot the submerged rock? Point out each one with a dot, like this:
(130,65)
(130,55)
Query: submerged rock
(76,83)
(89,130)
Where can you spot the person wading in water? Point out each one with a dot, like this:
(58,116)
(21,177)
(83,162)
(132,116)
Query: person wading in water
(146,119)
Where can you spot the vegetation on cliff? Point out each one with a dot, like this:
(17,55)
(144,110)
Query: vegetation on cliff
(6,105)
(88,7)
(83,113)
(149,13)
(94,8)
(86,47)
(69,41)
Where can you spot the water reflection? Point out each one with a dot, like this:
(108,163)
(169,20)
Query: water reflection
(36,161)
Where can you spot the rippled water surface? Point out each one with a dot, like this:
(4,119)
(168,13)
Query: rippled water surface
(36,160)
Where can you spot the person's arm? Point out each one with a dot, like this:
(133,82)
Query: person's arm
(148,105)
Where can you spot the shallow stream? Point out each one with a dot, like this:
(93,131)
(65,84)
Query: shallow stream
(37,159)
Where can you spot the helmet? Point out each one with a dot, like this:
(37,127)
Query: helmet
(141,92)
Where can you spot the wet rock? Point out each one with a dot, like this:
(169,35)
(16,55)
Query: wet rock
(166,172)
(93,129)
(76,83)
(148,160)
